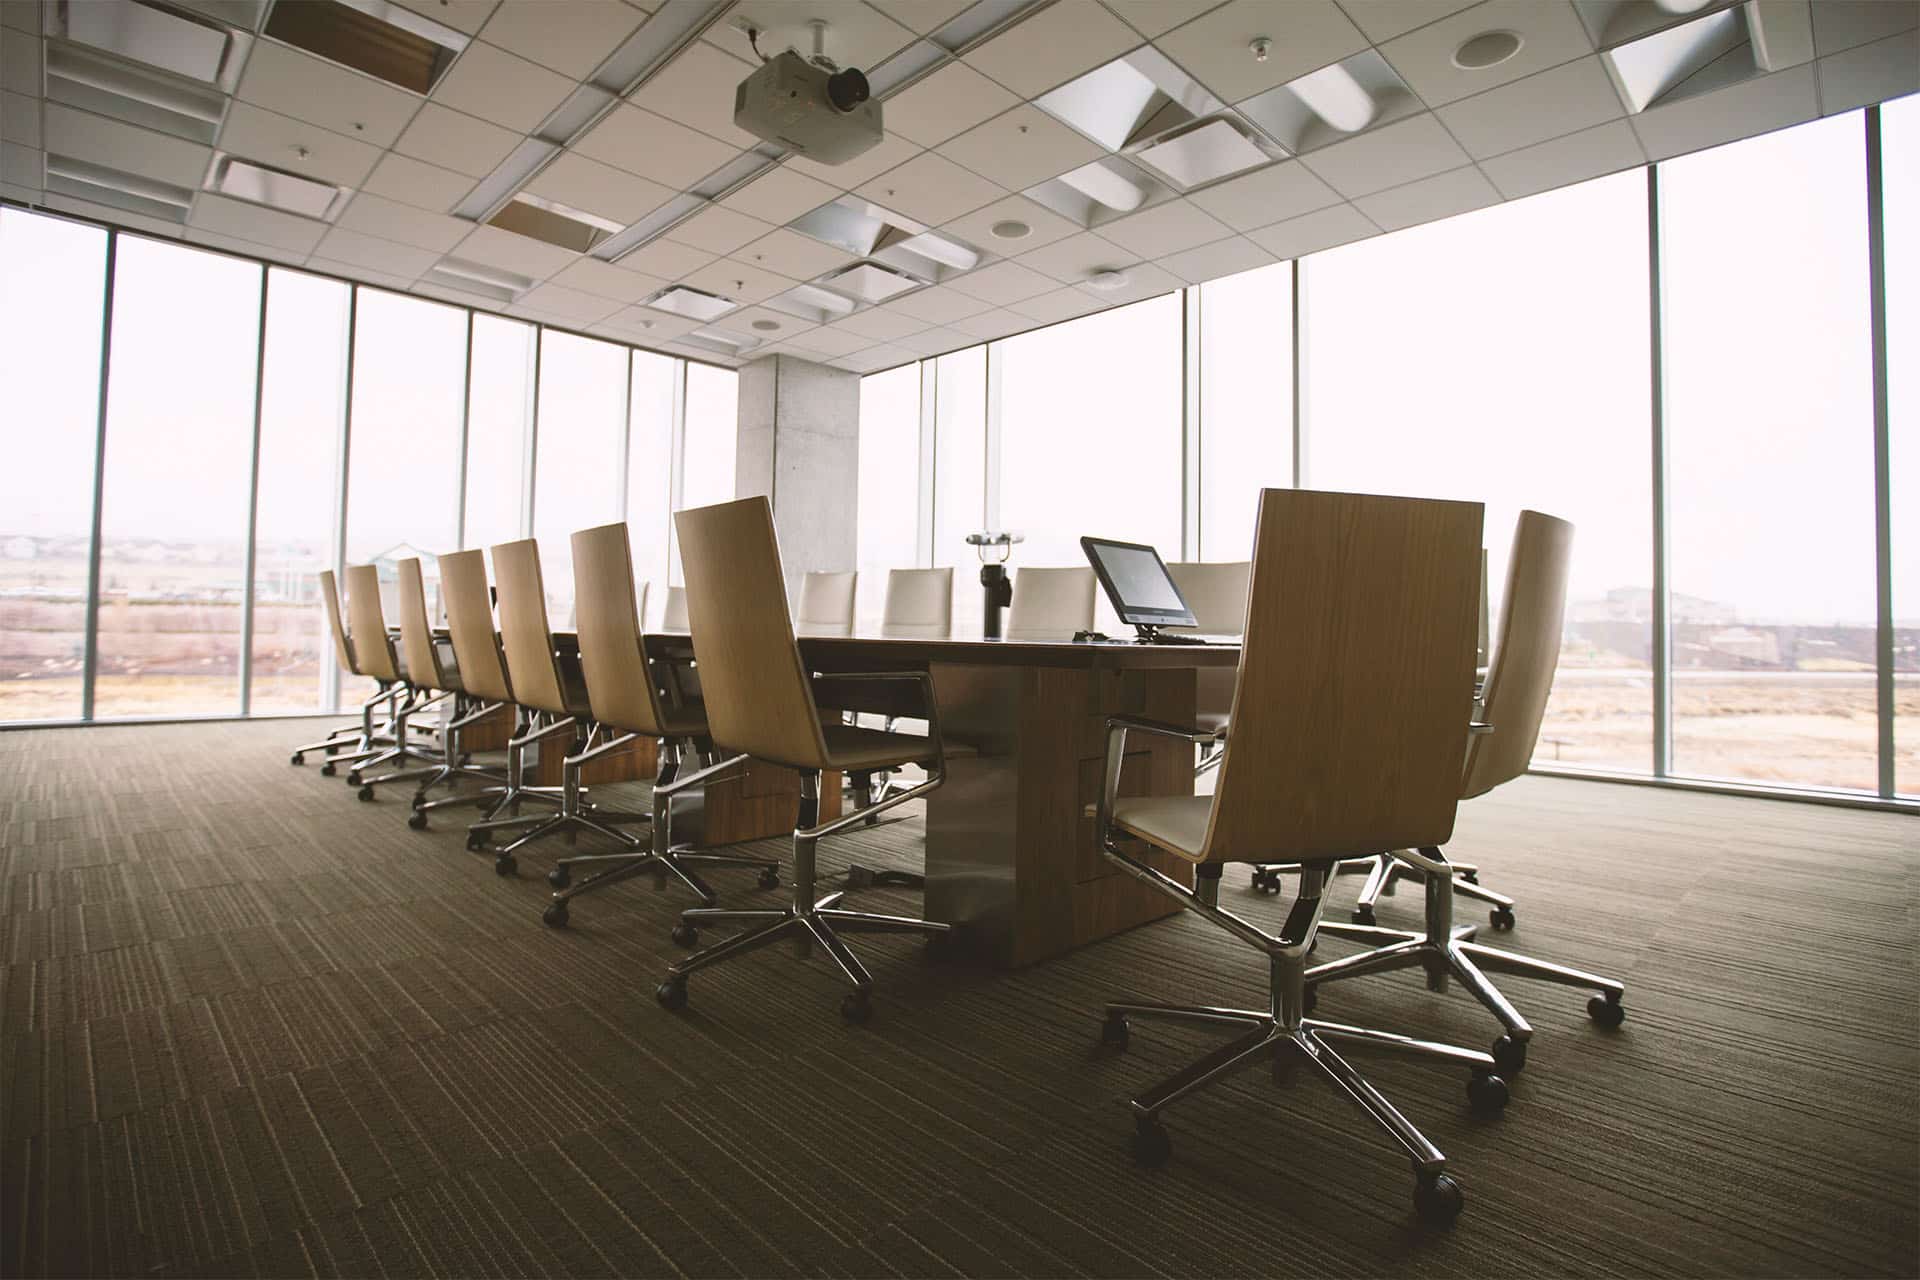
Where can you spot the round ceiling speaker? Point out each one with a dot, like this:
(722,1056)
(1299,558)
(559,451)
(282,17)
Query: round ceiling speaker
(766,326)
(1107,281)
(1488,49)
(1012,229)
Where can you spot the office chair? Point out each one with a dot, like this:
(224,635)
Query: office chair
(1050,604)
(826,604)
(673,615)
(354,741)
(1217,594)
(373,647)
(1515,698)
(919,604)
(761,703)
(1349,722)
(627,700)
(554,698)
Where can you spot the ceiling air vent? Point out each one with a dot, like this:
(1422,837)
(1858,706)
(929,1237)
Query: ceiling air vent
(691,303)
(870,283)
(275,188)
(380,38)
(555,223)
(866,230)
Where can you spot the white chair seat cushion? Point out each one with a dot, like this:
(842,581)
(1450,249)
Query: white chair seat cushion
(1176,823)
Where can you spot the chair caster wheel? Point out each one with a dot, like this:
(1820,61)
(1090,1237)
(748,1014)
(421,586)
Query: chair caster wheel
(297,758)
(1151,1145)
(859,878)
(1266,880)
(1115,1030)
(353,777)
(1363,915)
(417,820)
(366,792)
(1437,1199)
(770,879)
(555,916)
(672,994)
(1501,917)
(856,1007)
(418,800)
(328,769)
(686,935)
(476,841)
(1606,1011)
(1509,1055)
(560,877)
(505,865)
(1487,1094)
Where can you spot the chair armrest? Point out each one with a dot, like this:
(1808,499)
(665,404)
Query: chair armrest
(1163,728)
(824,684)
(1117,729)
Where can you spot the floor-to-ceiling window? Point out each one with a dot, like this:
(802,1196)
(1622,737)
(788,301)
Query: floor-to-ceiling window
(960,476)
(1502,357)
(1900,177)
(581,429)
(177,477)
(1246,403)
(888,519)
(297,508)
(499,423)
(52,289)
(1769,421)
(656,381)
(712,426)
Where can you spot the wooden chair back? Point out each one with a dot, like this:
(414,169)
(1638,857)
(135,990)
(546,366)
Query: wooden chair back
(416,633)
(342,643)
(758,697)
(1050,604)
(826,603)
(919,604)
(1217,594)
(476,646)
(367,623)
(613,657)
(673,616)
(1355,684)
(524,634)
(1526,652)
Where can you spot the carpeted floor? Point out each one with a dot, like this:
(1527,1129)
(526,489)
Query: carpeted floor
(253,1027)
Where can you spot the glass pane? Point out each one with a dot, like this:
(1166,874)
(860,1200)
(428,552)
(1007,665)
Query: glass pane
(889,514)
(1090,436)
(52,287)
(409,359)
(960,476)
(1770,463)
(1900,178)
(1502,357)
(179,465)
(650,474)
(582,424)
(302,413)
(1246,403)
(499,411)
(712,427)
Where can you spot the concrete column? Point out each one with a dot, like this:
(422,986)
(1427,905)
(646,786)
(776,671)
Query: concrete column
(799,444)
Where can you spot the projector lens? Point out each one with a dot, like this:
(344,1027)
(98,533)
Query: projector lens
(847,89)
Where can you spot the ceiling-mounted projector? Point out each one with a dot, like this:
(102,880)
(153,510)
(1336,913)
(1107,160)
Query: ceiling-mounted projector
(823,113)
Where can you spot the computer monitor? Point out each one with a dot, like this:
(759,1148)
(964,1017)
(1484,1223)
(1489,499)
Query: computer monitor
(1137,582)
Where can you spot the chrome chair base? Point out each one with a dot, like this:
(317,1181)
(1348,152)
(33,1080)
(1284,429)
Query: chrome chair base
(404,748)
(1446,952)
(1384,869)
(454,767)
(575,815)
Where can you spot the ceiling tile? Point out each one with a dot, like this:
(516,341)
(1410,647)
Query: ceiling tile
(1062,304)
(399,260)
(937,341)
(20,64)
(581,308)
(792,254)
(718,229)
(390,220)
(1397,153)
(696,89)
(931,189)
(890,152)
(649,325)
(502,87)
(830,342)
(256,223)
(369,275)
(1876,72)
(609,281)
(874,359)
(519,254)
(1044,226)
(20,119)
(1165,228)
(1312,232)
(923,15)
(740,281)
(666,259)
(1021,148)
(1156,17)
(569,36)
(1077,257)
(23,166)
(456,141)
(1566,99)
(937,305)
(654,147)
(592,187)
(1053,46)
(1382,20)
(462,15)
(242,246)
(1550,34)
(271,138)
(22,17)
(1221,258)
(85,136)
(780,195)
(994,324)
(952,99)
(1306,35)
(414,182)
(305,87)
(858,35)
(1004,283)
(1284,190)
(875,325)
(1607,148)
(1846,24)
(1143,281)
(1429,199)
(1739,111)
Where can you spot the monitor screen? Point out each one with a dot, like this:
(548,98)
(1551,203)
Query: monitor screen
(1137,582)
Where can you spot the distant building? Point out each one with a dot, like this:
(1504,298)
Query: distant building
(22,548)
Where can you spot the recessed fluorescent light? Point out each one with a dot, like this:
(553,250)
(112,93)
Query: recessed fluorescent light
(103,185)
(275,188)
(555,223)
(1337,98)
(78,77)
(810,302)
(1098,182)
(978,21)
(670,29)
(467,274)
(1206,153)
(1651,69)
(186,46)
(1130,100)
(938,248)
(870,283)
(676,210)
(1356,93)
(512,173)
(691,303)
(376,37)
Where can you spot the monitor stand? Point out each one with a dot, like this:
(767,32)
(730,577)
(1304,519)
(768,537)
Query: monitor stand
(1150,634)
